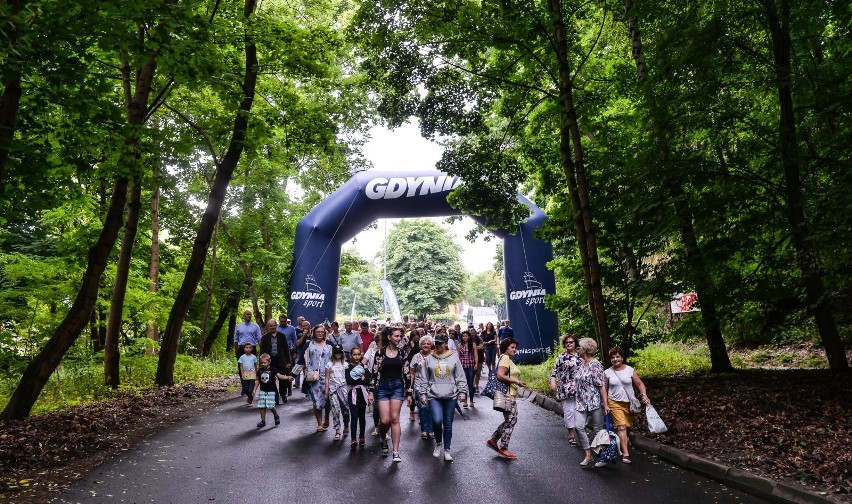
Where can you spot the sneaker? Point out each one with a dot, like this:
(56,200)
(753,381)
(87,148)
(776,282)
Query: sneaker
(278,420)
(447,456)
(384,448)
(586,462)
(261,425)
(493,445)
(600,463)
(507,454)
(353,444)
(396,457)
(438,448)
(361,441)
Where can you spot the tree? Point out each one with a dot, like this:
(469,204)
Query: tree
(485,287)
(424,266)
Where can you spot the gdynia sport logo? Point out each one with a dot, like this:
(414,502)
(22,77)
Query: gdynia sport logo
(312,295)
(396,187)
(533,294)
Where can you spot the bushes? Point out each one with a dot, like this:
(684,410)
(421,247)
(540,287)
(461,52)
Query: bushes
(671,359)
(82,381)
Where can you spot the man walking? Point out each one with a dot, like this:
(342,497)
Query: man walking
(246,332)
(275,344)
(349,339)
(288,332)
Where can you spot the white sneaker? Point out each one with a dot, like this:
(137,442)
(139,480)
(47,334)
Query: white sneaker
(600,463)
(439,447)
(447,456)
(396,457)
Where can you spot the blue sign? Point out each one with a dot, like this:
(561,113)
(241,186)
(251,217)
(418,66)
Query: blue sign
(370,195)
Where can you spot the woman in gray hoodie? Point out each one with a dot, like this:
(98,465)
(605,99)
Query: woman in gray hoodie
(441,385)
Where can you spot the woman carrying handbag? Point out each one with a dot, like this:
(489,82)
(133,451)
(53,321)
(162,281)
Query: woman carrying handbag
(509,373)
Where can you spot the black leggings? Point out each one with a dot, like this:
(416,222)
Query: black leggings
(358,413)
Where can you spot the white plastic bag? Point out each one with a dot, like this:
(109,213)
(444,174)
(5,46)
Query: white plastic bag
(655,423)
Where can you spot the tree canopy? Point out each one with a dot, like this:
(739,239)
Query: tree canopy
(424,266)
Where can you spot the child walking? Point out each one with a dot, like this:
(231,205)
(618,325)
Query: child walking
(247,363)
(335,390)
(358,396)
(266,383)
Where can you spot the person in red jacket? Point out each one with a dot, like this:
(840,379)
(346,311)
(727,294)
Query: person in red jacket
(367,337)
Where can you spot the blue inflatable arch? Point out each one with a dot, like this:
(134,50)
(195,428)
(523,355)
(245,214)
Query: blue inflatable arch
(370,195)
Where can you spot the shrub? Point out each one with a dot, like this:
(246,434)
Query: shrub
(670,359)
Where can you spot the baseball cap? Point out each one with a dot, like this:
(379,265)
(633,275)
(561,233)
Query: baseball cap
(441,338)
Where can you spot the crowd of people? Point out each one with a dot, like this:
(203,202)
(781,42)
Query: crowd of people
(432,369)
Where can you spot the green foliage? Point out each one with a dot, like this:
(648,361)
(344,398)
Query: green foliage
(670,359)
(78,382)
(424,267)
(486,287)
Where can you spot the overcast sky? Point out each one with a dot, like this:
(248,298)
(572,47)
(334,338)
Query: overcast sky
(403,149)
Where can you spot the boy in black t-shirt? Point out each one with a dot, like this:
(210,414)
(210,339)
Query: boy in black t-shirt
(265,382)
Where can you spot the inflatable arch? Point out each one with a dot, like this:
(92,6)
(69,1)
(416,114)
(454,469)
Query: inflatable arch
(370,195)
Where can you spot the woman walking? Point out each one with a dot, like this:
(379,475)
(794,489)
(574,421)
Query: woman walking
(317,356)
(489,338)
(426,344)
(442,384)
(562,382)
(590,398)
(468,357)
(507,372)
(620,380)
(390,391)
(336,391)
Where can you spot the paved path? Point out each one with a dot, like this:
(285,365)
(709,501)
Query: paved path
(221,457)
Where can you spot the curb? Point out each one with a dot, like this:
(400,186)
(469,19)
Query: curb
(765,488)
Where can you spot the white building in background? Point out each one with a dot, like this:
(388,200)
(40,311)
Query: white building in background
(478,314)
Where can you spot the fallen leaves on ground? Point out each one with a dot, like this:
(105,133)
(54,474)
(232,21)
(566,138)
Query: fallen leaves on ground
(42,454)
(789,425)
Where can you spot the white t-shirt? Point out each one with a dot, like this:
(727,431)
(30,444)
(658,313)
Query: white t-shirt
(615,391)
(337,375)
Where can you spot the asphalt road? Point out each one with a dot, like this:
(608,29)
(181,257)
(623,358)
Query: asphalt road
(221,456)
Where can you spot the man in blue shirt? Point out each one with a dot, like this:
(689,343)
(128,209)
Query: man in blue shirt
(505,331)
(289,333)
(246,332)
(287,330)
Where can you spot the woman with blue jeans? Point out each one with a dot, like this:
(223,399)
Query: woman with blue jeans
(442,383)
(390,392)
(426,344)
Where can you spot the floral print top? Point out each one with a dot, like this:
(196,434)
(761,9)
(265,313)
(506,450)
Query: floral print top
(563,372)
(589,379)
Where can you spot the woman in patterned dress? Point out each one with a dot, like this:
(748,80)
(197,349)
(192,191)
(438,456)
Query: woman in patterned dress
(562,382)
(590,397)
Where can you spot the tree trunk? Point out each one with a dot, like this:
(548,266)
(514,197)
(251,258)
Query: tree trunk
(231,304)
(232,326)
(42,366)
(246,267)
(719,360)
(154,267)
(119,289)
(195,267)
(573,165)
(203,350)
(807,254)
(93,331)
(11,101)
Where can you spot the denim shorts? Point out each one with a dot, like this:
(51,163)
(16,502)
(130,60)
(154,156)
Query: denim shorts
(390,389)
